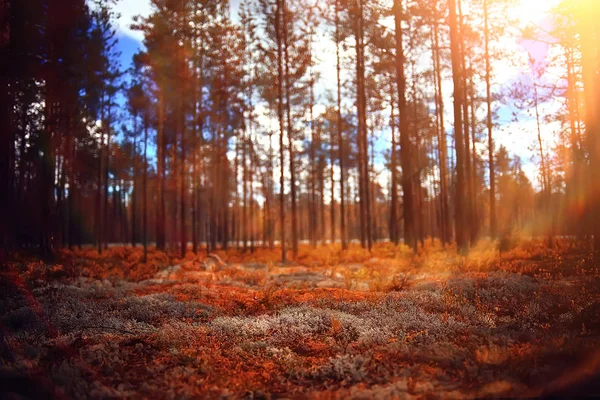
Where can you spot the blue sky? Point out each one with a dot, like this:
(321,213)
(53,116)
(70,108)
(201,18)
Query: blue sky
(128,46)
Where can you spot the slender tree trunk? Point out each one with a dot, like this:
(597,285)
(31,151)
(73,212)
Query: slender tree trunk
(416,176)
(161,150)
(245,195)
(6,134)
(466,72)
(253,213)
(183,187)
(290,131)
(174,186)
(312,203)
(194,200)
(278,28)
(270,227)
(47,177)
(145,187)
(405,151)
(99,192)
(266,208)
(340,128)
(213,193)
(362,129)
(236,223)
(234,212)
(133,179)
(546,185)
(372,199)
(72,186)
(474,180)
(394,174)
(332,177)
(457,77)
(107,233)
(363,103)
(574,181)
(490,126)
(200,117)
(443,147)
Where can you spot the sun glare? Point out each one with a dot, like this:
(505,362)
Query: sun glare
(533,11)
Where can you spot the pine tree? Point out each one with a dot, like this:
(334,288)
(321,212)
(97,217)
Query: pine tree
(457,77)
(405,141)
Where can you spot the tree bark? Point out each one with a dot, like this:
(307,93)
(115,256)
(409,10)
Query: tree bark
(457,77)
(394,176)
(278,22)
(339,127)
(443,147)
(290,131)
(161,150)
(405,150)
(145,187)
(490,125)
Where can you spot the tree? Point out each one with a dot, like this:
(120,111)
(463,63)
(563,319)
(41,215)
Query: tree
(489,123)
(585,16)
(405,146)
(442,144)
(457,77)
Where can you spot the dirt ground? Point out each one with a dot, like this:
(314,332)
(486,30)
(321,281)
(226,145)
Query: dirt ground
(333,324)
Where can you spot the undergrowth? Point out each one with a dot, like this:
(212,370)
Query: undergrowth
(333,324)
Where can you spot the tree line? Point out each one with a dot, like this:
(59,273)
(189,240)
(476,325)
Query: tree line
(224,132)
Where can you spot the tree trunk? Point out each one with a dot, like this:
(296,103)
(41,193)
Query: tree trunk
(183,187)
(394,175)
(332,177)
(6,130)
(457,77)
(312,203)
(290,132)
(339,127)
(106,223)
(145,187)
(475,210)
(466,72)
(362,129)
(161,150)
(253,213)
(323,225)
(443,147)
(245,195)
(194,200)
(270,227)
(405,151)
(490,126)
(278,23)
(133,179)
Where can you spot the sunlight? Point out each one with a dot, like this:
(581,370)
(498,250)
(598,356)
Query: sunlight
(533,11)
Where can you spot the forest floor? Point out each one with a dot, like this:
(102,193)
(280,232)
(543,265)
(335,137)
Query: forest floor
(333,324)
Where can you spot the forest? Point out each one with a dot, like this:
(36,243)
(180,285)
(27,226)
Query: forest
(299,199)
